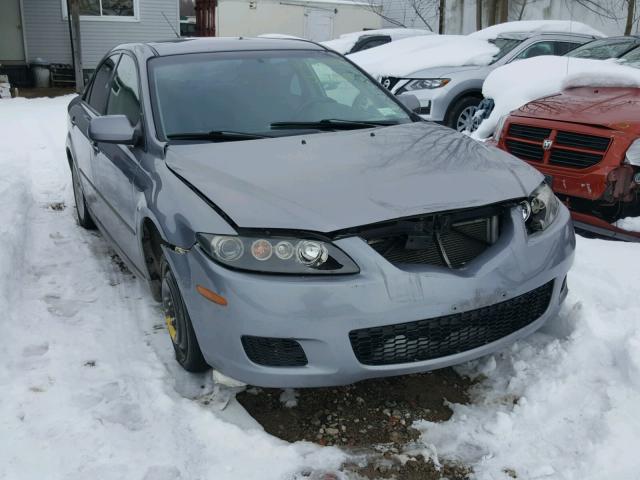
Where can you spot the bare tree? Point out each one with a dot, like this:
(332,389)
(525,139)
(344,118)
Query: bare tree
(442,11)
(478,14)
(631,7)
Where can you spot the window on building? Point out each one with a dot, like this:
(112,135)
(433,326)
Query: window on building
(125,9)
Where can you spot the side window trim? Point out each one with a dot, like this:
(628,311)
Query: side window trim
(138,78)
(115,67)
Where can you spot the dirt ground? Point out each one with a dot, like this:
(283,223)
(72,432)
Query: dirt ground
(372,419)
(43,92)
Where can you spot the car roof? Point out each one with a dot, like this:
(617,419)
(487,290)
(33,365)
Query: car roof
(180,46)
(526,35)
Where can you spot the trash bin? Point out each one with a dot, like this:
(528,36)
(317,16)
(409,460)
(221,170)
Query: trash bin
(41,73)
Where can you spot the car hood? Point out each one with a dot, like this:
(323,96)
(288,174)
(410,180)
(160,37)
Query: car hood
(331,181)
(443,72)
(610,107)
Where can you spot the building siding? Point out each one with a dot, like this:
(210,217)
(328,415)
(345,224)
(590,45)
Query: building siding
(47,32)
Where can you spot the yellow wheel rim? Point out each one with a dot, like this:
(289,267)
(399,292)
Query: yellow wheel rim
(170,321)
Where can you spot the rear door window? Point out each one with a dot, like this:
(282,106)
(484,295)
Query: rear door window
(101,83)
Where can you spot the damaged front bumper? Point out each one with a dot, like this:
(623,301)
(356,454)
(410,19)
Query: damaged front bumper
(321,326)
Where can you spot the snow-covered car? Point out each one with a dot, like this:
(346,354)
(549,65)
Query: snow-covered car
(354,42)
(451,94)
(300,225)
(585,139)
(600,49)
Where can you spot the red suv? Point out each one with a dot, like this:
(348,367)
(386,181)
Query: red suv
(586,142)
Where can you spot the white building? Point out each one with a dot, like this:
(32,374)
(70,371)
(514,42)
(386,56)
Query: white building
(316,20)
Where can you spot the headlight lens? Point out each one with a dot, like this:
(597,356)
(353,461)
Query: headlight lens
(277,254)
(632,156)
(499,127)
(540,209)
(426,83)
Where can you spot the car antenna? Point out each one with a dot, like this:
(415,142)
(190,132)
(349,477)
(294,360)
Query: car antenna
(174,30)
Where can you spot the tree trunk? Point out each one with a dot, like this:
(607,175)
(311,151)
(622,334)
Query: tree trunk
(442,11)
(478,14)
(491,13)
(631,5)
(504,11)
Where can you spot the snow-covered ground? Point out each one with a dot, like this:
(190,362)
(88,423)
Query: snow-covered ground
(88,387)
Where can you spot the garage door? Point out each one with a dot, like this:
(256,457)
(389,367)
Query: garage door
(318,24)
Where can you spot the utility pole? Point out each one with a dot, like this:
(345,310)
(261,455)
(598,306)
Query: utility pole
(73,13)
(442,9)
(630,12)
(478,14)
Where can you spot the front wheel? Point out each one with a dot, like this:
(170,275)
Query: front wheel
(183,337)
(462,114)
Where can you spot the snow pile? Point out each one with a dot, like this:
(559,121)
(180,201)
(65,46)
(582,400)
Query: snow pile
(562,404)
(630,224)
(411,55)
(521,82)
(346,41)
(88,383)
(536,26)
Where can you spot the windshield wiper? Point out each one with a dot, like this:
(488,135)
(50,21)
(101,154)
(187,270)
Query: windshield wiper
(332,124)
(216,136)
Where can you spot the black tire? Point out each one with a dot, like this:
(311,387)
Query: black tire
(82,212)
(183,337)
(463,108)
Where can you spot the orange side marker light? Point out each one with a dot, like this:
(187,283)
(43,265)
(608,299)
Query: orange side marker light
(211,296)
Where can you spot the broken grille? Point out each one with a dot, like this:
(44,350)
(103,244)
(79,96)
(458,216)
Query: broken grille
(446,240)
(442,336)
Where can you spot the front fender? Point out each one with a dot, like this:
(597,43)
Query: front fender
(177,210)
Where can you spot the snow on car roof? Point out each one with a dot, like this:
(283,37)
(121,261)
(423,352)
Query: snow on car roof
(530,26)
(410,55)
(345,42)
(516,84)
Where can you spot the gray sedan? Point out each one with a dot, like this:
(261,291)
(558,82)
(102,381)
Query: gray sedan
(451,95)
(299,224)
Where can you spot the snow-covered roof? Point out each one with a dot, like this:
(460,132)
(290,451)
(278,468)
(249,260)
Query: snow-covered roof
(519,83)
(410,55)
(346,41)
(567,26)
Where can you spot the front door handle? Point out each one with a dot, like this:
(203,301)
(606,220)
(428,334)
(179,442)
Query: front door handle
(94,145)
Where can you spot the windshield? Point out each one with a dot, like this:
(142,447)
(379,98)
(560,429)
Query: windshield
(249,92)
(505,45)
(602,49)
(631,58)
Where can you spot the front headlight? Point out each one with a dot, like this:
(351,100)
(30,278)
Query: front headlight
(499,127)
(277,254)
(426,83)
(632,157)
(540,209)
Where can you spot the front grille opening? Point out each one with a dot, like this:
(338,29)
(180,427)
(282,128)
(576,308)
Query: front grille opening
(571,158)
(528,132)
(526,151)
(446,240)
(274,352)
(442,336)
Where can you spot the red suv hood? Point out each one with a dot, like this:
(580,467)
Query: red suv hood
(612,107)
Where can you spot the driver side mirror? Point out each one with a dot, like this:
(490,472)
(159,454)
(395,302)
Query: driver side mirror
(113,129)
(410,101)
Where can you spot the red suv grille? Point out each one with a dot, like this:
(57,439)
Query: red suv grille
(568,149)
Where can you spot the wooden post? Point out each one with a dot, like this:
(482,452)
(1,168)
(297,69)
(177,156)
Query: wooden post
(73,12)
